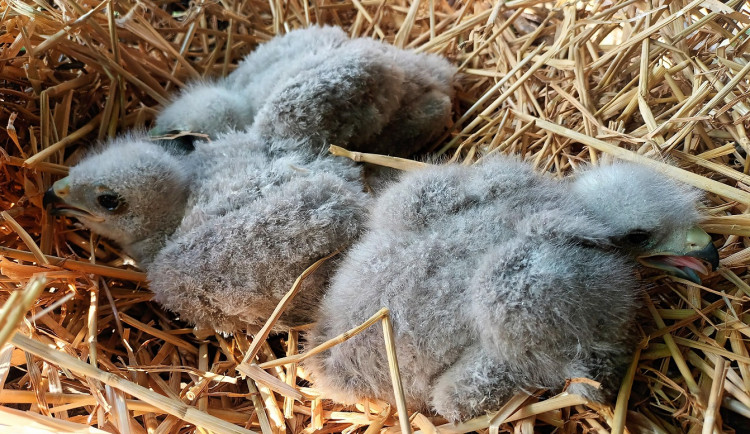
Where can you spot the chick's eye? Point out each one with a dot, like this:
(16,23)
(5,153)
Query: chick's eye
(109,201)
(637,237)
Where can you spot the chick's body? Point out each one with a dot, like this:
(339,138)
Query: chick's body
(497,280)
(318,84)
(254,223)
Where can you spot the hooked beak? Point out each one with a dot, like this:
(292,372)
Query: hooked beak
(55,203)
(179,140)
(684,259)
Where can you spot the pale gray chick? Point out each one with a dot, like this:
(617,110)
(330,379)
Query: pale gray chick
(224,231)
(500,280)
(318,84)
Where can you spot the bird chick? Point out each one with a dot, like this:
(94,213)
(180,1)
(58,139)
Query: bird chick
(501,280)
(224,231)
(318,84)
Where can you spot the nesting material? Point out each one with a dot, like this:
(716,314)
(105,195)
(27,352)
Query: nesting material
(559,84)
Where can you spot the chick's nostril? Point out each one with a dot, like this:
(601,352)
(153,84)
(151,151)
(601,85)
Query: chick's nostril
(61,188)
(696,239)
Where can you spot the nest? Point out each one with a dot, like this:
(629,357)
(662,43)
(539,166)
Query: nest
(82,347)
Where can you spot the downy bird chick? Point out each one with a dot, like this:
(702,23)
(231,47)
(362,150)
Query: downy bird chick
(225,230)
(318,84)
(501,280)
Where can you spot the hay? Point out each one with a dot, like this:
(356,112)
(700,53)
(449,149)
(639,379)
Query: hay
(559,84)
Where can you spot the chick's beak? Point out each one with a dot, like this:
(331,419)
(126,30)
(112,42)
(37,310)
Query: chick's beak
(180,140)
(701,247)
(56,194)
(683,257)
(56,203)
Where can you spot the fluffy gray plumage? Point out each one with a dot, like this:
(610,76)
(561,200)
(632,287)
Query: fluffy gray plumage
(224,231)
(498,280)
(318,84)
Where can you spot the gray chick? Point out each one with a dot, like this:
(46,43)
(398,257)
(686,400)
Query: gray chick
(223,231)
(500,280)
(318,84)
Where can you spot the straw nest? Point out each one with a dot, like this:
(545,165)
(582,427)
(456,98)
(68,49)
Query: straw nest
(82,347)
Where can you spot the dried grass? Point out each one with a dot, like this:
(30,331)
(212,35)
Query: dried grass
(557,83)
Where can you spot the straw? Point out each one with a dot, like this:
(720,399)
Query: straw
(666,85)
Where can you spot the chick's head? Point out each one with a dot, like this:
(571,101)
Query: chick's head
(650,215)
(131,192)
(204,108)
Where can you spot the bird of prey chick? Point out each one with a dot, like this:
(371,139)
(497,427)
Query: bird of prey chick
(318,84)
(500,280)
(222,231)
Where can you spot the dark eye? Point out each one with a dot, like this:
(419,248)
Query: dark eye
(110,201)
(637,237)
